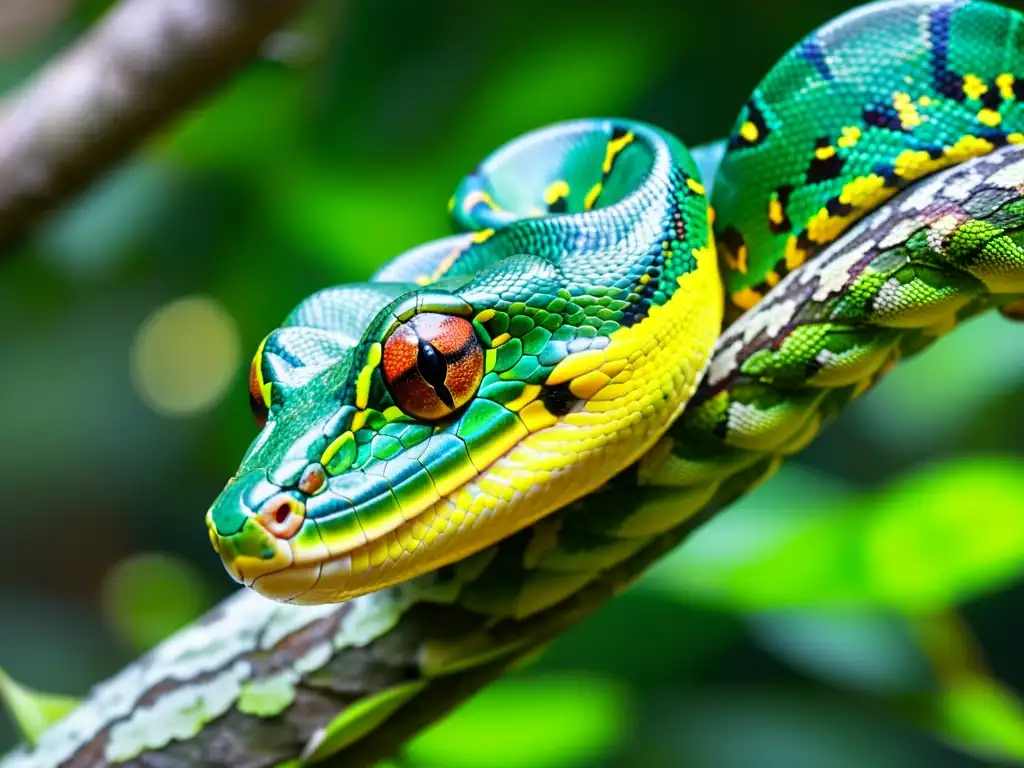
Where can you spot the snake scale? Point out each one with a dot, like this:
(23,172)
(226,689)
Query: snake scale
(480,382)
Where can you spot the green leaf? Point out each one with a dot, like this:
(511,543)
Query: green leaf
(936,538)
(543,722)
(33,712)
(980,716)
(947,534)
(362,717)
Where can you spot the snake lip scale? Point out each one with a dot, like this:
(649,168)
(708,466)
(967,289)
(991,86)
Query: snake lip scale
(480,382)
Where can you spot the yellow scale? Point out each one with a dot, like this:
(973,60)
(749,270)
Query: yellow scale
(865,193)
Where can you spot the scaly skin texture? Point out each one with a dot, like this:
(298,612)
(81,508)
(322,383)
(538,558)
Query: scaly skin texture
(258,683)
(870,102)
(483,381)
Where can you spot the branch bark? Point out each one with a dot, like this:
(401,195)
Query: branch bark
(256,684)
(139,66)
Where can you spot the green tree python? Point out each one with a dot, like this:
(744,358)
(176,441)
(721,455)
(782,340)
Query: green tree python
(481,382)
(433,380)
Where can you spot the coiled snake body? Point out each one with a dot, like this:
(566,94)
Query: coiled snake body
(481,382)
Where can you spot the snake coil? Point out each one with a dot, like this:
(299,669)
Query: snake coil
(481,382)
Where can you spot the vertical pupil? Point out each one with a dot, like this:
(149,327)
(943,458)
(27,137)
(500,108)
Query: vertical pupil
(434,370)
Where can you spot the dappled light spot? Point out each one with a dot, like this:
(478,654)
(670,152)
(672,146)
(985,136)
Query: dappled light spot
(149,595)
(185,356)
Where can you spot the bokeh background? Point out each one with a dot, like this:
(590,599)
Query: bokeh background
(863,608)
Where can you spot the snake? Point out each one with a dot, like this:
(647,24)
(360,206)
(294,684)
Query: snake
(477,384)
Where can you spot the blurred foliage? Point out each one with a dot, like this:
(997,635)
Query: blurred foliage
(32,711)
(833,618)
(935,538)
(983,718)
(563,720)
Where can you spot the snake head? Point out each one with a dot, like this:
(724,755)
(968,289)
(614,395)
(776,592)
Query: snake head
(358,438)
(409,424)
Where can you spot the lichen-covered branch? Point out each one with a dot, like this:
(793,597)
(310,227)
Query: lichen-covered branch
(257,684)
(139,66)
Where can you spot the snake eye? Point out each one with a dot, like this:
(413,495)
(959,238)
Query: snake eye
(432,365)
(257,402)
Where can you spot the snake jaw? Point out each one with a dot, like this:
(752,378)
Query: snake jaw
(360,526)
(253,552)
(356,527)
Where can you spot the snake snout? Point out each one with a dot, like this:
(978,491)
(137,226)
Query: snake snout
(250,525)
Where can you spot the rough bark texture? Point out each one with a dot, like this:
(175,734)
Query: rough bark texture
(141,65)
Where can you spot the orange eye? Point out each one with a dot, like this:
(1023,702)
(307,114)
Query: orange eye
(433,365)
(256,401)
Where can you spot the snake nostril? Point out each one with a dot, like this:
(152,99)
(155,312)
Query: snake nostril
(282,515)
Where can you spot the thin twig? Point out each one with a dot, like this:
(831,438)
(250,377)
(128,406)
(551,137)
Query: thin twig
(138,67)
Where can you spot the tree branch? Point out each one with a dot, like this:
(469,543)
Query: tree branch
(256,684)
(141,65)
